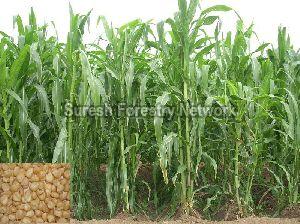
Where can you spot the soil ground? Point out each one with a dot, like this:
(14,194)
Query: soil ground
(289,215)
(250,220)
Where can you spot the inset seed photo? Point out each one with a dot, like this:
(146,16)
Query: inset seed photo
(34,193)
(150,111)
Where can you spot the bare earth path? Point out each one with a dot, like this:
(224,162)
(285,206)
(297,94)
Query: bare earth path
(250,220)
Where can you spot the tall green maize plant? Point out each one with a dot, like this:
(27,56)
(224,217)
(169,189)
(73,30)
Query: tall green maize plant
(246,90)
(286,164)
(25,74)
(125,79)
(182,73)
(73,141)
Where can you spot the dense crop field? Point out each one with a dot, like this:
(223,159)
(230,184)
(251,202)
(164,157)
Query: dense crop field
(172,118)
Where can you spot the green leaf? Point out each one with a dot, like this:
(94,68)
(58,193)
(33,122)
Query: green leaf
(201,41)
(61,144)
(18,20)
(3,70)
(18,98)
(212,162)
(210,20)
(192,9)
(17,65)
(129,80)
(96,85)
(232,88)
(204,51)
(43,98)
(35,129)
(143,87)
(108,30)
(182,5)
(261,47)
(216,8)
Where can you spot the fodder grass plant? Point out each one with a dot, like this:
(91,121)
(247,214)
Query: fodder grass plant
(247,156)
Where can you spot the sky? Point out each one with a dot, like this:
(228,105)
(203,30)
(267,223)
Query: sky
(267,15)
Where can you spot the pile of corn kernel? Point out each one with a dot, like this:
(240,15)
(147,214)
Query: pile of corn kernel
(34,193)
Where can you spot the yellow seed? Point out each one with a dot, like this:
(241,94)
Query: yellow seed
(50,204)
(38,213)
(66,214)
(12,217)
(17,196)
(26,165)
(64,196)
(43,207)
(42,196)
(4,200)
(49,177)
(54,195)
(13,209)
(16,170)
(5,179)
(11,180)
(30,214)
(3,209)
(8,193)
(4,219)
(17,204)
(25,182)
(67,174)
(42,174)
(39,191)
(5,187)
(53,188)
(60,188)
(27,196)
(34,195)
(57,173)
(20,177)
(42,185)
(50,218)
(48,189)
(44,217)
(67,187)
(4,166)
(39,220)
(67,205)
(62,220)
(20,214)
(25,207)
(58,213)
(15,186)
(7,173)
(35,204)
(26,220)
(35,178)
(60,205)
(34,186)
(29,172)
(64,181)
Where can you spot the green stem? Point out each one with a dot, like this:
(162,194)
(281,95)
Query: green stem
(7,128)
(124,185)
(70,119)
(188,149)
(181,159)
(236,174)
(296,175)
